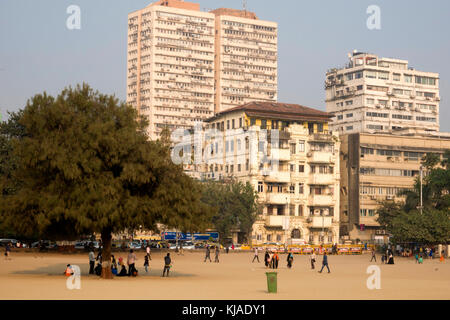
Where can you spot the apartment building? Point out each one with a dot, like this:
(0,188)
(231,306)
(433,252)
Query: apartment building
(171,64)
(287,153)
(184,64)
(373,94)
(246,59)
(376,167)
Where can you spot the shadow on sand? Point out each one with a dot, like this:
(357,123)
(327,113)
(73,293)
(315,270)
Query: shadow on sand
(58,270)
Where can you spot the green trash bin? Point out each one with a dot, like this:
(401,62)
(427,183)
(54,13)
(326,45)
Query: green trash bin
(271,282)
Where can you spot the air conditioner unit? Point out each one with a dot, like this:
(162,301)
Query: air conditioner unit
(309,154)
(389,93)
(412,96)
(389,197)
(378,106)
(437,99)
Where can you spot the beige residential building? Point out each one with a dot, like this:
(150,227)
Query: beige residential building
(287,153)
(246,59)
(171,64)
(374,94)
(185,64)
(376,167)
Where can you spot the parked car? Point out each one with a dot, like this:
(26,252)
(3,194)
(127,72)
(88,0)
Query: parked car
(4,242)
(80,244)
(44,244)
(188,245)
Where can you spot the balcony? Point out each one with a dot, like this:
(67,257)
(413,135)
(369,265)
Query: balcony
(321,200)
(325,179)
(319,222)
(278,176)
(280,154)
(278,198)
(321,157)
(276,221)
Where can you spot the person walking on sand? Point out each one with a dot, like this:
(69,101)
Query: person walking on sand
(266,258)
(217,252)
(208,254)
(131,260)
(256,255)
(290,259)
(275,259)
(91,262)
(7,251)
(312,259)
(147,249)
(325,262)
(373,255)
(146,263)
(167,264)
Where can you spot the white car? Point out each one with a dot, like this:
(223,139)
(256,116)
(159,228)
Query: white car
(188,245)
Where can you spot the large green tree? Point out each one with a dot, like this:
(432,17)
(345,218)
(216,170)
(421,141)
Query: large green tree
(85,165)
(235,205)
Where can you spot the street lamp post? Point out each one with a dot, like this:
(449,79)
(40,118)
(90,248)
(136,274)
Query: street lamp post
(421,197)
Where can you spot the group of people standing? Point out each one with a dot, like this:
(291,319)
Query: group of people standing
(208,253)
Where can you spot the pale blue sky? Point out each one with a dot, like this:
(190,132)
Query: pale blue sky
(38,52)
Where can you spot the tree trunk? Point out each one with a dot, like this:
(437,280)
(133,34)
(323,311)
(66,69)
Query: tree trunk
(106,254)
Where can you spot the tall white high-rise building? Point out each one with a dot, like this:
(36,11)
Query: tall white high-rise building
(185,64)
(373,94)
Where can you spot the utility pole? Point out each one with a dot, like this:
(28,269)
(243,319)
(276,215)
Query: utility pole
(421,197)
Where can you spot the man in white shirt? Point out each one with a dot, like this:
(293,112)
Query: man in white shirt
(130,261)
(91,262)
(256,255)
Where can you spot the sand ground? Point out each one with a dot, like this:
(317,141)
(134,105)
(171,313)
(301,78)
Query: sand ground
(39,276)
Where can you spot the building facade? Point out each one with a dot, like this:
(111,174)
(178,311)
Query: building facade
(183,64)
(374,94)
(287,154)
(376,167)
(246,67)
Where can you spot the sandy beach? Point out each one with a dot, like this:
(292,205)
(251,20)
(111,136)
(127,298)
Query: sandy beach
(40,276)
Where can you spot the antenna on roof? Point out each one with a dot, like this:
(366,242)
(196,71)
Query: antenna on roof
(244,5)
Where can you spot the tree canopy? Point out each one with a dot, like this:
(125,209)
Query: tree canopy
(81,163)
(235,205)
(406,222)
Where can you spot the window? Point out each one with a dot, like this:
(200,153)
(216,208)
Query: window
(232,124)
(360,87)
(292,168)
(396,76)
(340,117)
(252,121)
(376,114)
(260,187)
(370,101)
(301,168)
(427,119)
(228,124)
(349,102)
(292,147)
(239,167)
(383,75)
(320,127)
(240,122)
(358,75)
(348,128)
(291,189)
(301,146)
(371,74)
(269,188)
(407,78)
(366,150)
(349,115)
(374,127)
(263,124)
(300,188)
(426,80)
(269,238)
